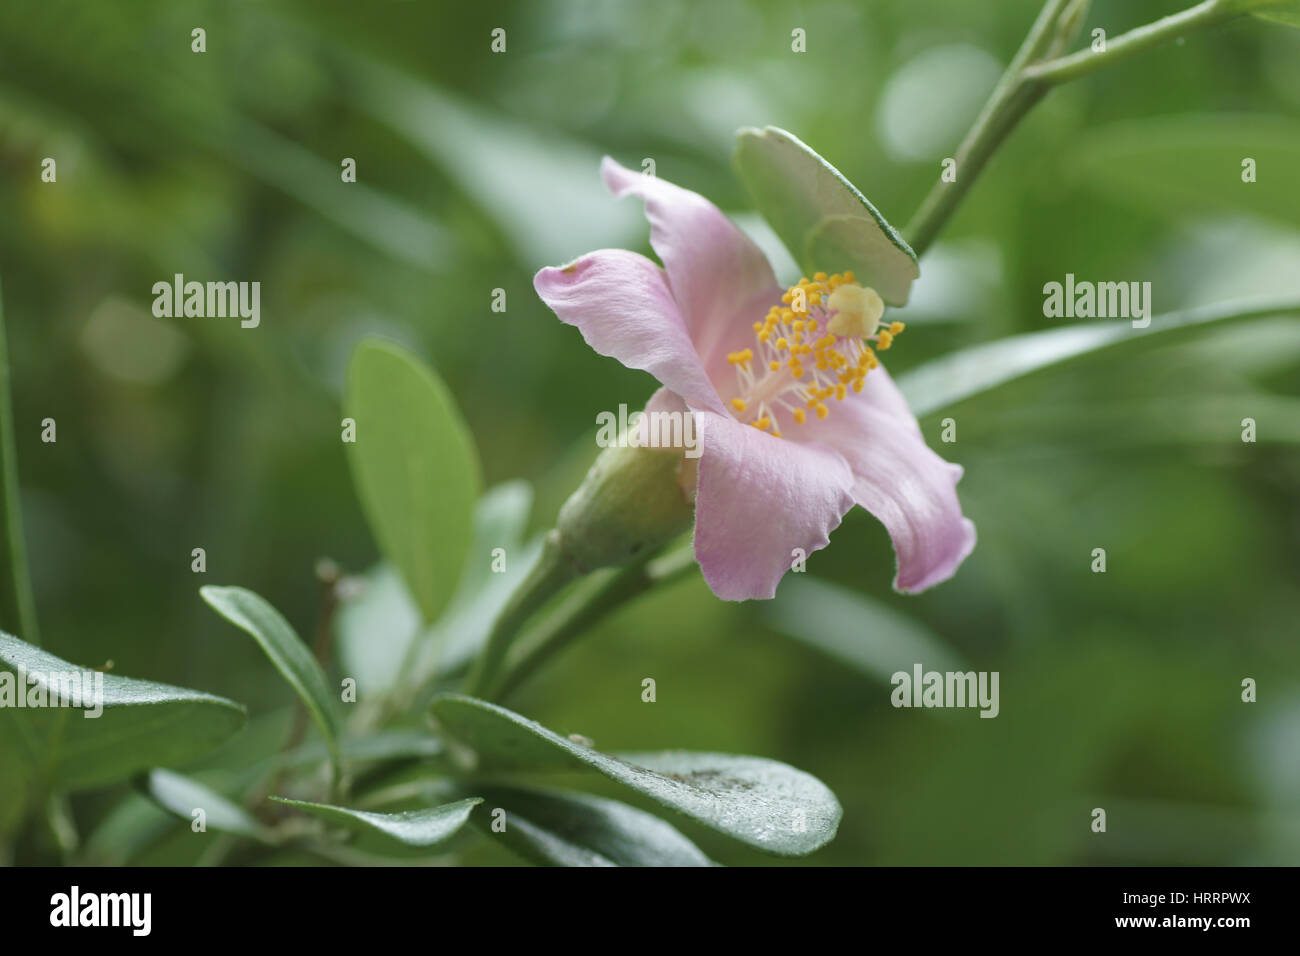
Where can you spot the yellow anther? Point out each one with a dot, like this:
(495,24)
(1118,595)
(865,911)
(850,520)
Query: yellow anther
(816,344)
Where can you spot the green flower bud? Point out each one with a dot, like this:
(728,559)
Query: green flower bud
(632,501)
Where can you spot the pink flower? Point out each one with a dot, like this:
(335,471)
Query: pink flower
(797,420)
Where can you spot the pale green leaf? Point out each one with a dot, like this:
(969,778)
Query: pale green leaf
(415,468)
(500,522)
(541,187)
(143,724)
(825,222)
(960,375)
(763,803)
(1280,11)
(856,629)
(183,795)
(380,637)
(412,828)
(375,629)
(395,745)
(555,828)
(253,614)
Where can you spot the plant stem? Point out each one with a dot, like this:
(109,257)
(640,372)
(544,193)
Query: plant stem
(1066,68)
(548,576)
(595,598)
(17,606)
(1011,99)
(1036,68)
(971,158)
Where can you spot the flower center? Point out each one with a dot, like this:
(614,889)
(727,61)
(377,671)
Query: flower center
(809,350)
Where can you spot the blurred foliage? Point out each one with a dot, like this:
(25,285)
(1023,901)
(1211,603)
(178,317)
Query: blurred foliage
(1118,690)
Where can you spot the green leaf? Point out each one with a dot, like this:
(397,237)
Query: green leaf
(137,822)
(131,826)
(1279,11)
(961,375)
(17,606)
(1129,162)
(143,724)
(412,828)
(500,522)
(762,803)
(541,188)
(390,224)
(1289,17)
(1185,419)
(820,216)
(558,828)
(415,468)
(860,631)
(381,639)
(253,614)
(375,630)
(386,745)
(183,795)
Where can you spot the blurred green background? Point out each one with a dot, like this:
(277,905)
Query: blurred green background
(1118,690)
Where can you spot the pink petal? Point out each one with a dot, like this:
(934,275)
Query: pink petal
(621,304)
(758,499)
(910,489)
(721,279)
